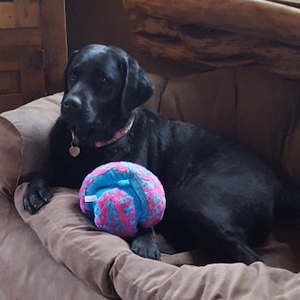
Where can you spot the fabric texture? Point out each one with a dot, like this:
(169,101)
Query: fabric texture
(258,109)
(73,240)
(105,262)
(10,157)
(156,281)
(24,140)
(28,270)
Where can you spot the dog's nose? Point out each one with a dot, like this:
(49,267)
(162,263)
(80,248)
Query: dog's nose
(72,103)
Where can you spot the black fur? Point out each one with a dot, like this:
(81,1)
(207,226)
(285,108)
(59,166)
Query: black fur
(219,197)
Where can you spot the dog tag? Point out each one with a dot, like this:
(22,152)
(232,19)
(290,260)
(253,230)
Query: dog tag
(74,151)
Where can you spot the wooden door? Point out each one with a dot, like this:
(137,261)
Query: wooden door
(33,51)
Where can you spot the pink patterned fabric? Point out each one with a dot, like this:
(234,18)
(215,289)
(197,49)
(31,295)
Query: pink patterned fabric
(121,195)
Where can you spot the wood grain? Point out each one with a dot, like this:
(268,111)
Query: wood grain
(258,17)
(21,37)
(54,43)
(27,13)
(219,33)
(33,50)
(7,14)
(11,101)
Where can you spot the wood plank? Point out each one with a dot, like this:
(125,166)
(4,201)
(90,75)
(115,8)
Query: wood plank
(33,54)
(274,61)
(54,43)
(272,21)
(9,66)
(32,73)
(21,37)
(195,45)
(27,13)
(9,54)
(8,102)
(10,82)
(7,13)
(28,62)
(175,30)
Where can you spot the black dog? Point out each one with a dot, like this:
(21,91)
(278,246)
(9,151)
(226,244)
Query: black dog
(219,197)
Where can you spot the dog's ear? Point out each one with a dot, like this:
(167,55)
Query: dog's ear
(137,87)
(65,77)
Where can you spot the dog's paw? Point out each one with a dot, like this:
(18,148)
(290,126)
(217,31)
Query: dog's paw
(36,195)
(145,247)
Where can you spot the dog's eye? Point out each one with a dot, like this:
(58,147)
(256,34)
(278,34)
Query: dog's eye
(73,76)
(102,79)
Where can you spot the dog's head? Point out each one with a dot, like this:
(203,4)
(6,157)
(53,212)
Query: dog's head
(102,87)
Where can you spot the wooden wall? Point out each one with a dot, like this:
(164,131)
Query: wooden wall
(107,22)
(221,33)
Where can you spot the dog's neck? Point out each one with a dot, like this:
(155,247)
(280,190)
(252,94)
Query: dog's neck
(74,149)
(119,134)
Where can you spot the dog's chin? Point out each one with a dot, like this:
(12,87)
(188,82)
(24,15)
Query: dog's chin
(90,136)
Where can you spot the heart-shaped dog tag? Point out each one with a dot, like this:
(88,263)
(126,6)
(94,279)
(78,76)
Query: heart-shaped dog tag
(74,151)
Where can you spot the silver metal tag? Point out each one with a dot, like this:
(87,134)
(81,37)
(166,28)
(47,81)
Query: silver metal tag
(74,151)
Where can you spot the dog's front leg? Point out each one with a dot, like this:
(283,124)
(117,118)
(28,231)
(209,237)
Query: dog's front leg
(143,244)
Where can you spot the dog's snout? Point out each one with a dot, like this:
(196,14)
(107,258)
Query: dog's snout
(72,103)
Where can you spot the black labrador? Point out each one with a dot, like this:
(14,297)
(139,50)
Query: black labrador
(219,196)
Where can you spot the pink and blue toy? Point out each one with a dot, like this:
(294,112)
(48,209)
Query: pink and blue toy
(120,195)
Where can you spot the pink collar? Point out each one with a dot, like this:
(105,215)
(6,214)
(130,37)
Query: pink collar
(119,134)
(74,149)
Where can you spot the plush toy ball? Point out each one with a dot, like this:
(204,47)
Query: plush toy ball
(120,195)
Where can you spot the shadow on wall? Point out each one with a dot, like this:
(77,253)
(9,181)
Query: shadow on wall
(107,22)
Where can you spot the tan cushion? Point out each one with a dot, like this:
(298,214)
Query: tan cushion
(10,156)
(258,109)
(267,107)
(207,100)
(159,83)
(24,140)
(73,240)
(27,270)
(135,278)
(106,264)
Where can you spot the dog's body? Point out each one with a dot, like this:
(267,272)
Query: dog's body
(218,196)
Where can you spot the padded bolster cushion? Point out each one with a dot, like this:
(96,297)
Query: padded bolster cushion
(73,240)
(254,107)
(24,140)
(10,156)
(105,262)
(27,269)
